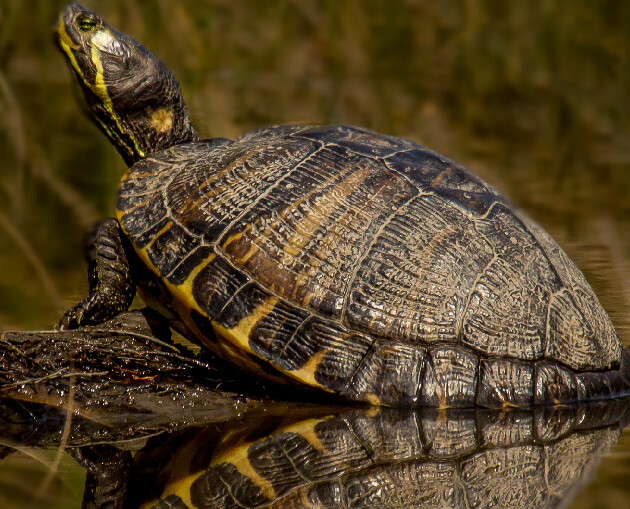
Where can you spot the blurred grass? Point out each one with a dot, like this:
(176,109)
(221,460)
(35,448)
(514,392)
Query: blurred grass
(531,95)
(23,474)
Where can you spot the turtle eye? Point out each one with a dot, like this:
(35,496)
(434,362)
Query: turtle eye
(86,23)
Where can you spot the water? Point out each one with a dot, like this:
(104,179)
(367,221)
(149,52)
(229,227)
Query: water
(299,456)
(533,97)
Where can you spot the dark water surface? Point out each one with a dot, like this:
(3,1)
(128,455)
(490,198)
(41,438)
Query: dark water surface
(533,96)
(298,456)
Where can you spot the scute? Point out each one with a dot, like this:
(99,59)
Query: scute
(390,247)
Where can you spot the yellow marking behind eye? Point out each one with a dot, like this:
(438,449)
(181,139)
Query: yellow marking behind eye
(162,120)
(99,86)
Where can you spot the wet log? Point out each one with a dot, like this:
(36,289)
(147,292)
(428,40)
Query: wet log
(121,375)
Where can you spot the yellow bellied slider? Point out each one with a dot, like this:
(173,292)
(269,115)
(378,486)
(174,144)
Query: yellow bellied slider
(361,264)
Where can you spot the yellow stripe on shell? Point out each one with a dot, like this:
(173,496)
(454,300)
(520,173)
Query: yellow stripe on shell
(237,455)
(239,451)
(324,206)
(239,336)
(184,291)
(306,429)
(235,236)
(183,302)
(307,372)
(233,449)
(162,231)
(181,478)
(236,346)
(239,459)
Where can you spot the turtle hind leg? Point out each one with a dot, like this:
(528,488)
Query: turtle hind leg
(111,277)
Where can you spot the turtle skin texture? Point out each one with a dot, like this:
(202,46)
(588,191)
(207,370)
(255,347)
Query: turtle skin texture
(368,266)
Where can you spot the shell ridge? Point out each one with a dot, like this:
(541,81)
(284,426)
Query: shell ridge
(461,319)
(360,363)
(366,252)
(415,191)
(184,259)
(158,191)
(421,189)
(294,334)
(246,210)
(173,217)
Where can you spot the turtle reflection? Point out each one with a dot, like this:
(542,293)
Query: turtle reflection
(385,458)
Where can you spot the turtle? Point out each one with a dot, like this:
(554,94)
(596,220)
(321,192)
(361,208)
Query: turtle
(387,458)
(331,257)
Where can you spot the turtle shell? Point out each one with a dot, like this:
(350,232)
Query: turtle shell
(362,264)
(392,458)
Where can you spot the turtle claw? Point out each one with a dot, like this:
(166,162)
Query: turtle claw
(112,285)
(71,319)
(99,306)
(76,316)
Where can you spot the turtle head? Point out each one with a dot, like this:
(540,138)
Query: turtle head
(129,92)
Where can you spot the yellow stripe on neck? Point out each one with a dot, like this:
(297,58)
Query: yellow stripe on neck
(98,87)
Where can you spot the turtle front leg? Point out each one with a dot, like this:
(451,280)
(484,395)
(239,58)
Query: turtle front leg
(110,277)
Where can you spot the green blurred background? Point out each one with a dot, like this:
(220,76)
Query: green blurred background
(531,95)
